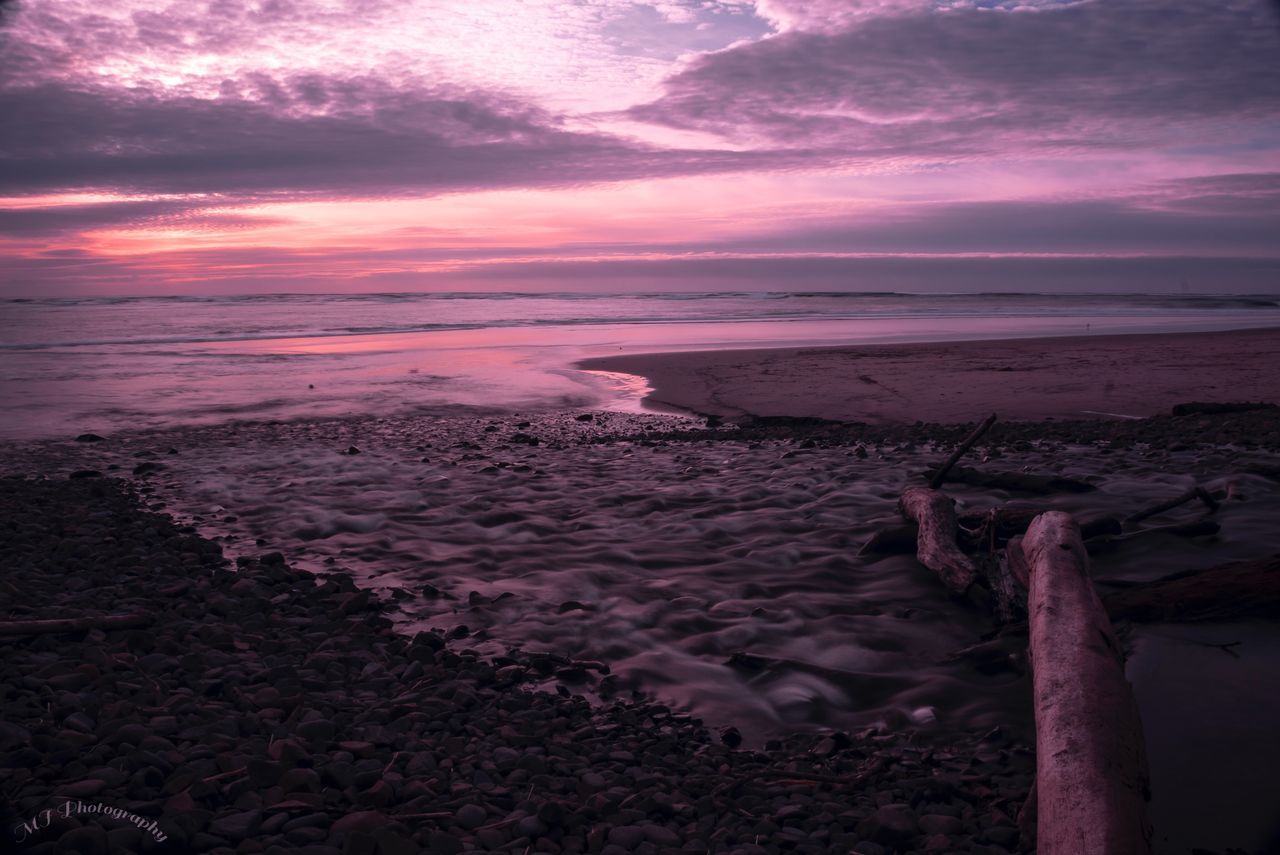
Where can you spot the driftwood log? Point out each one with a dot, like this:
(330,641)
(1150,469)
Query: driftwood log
(1236,590)
(81,624)
(1203,408)
(1092,782)
(940,474)
(936,547)
(1019,481)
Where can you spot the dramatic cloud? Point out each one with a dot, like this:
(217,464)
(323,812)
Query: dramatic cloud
(375,143)
(313,135)
(975,81)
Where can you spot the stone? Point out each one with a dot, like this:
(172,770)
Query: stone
(626,836)
(86,840)
(359,843)
(937,824)
(367,821)
(896,825)
(319,731)
(471,816)
(393,843)
(444,843)
(237,826)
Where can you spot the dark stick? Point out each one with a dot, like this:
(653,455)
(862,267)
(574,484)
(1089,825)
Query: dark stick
(1169,504)
(41,627)
(941,475)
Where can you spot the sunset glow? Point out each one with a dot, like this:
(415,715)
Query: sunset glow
(428,145)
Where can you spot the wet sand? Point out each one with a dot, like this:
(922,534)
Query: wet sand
(1059,378)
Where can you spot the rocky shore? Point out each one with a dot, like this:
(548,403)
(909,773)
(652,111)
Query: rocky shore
(267,709)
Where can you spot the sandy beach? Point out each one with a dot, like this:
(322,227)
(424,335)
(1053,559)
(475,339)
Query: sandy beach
(1060,378)
(630,633)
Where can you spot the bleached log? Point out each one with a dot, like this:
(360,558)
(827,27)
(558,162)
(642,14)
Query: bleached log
(936,547)
(1091,771)
(82,624)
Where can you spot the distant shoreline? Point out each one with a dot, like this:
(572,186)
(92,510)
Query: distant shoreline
(1118,375)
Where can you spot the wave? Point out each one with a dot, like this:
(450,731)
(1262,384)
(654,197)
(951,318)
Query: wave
(1172,300)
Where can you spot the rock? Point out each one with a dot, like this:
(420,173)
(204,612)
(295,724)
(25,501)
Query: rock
(88,437)
(82,789)
(471,816)
(85,473)
(661,836)
(359,843)
(937,824)
(392,843)
(896,825)
(237,826)
(444,843)
(1003,835)
(368,821)
(317,732)
(86,840)
(626,836)
(300,781)
(731,737)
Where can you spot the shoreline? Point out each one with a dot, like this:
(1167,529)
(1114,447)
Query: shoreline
(660,550)
(1023,379)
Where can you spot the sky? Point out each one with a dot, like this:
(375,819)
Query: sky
(241,146)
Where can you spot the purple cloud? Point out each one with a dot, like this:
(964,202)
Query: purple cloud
(1123,73)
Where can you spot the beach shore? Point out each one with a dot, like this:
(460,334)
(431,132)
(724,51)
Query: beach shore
(609,577)
(1021,379)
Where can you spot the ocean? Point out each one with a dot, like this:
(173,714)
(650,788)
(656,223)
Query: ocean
(104,364)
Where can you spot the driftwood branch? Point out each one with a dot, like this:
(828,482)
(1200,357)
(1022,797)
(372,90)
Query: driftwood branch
(1013,521)
(1196,492)
(936,546)
(1008,597)
(82,624)
(1020,481)
(1195,528)
(1091,771)
(941,474)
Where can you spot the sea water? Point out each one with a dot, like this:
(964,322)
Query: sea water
(107,363)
